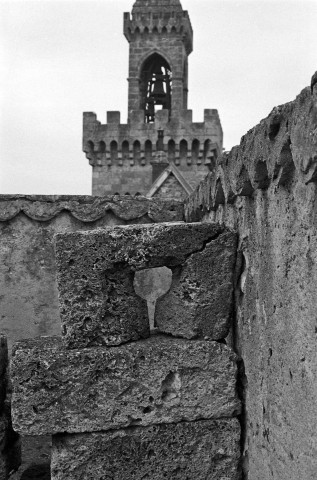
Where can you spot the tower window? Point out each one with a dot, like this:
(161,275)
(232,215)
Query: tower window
(156,86)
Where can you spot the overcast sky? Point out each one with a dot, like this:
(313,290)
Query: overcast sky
(60,58)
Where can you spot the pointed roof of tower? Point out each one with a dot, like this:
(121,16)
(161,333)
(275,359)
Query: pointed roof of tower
(157,5)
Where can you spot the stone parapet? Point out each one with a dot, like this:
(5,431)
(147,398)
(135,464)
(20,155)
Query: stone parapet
(115,143)
(266,188)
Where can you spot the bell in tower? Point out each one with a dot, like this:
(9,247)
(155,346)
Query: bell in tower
(156,86)
(158,92)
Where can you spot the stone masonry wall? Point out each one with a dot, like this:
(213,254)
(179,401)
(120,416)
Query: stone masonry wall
(28,290)
(266,188)
(122,401)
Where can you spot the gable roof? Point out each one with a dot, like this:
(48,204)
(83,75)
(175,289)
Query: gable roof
(170,170)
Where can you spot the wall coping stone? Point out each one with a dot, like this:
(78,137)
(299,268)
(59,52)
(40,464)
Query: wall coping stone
(87,208)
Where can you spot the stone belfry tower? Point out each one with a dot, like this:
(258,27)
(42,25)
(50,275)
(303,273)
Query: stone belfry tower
(161,38)
(159,152)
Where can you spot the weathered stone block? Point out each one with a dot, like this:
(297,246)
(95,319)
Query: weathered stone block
(95,276)
(204,449)
(158,380)
(199,301)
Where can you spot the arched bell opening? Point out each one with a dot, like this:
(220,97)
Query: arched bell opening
(155,86)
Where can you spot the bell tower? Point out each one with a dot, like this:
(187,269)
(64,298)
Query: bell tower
(161,38)
(160,151)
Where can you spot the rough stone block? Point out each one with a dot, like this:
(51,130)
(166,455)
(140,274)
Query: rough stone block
(204,449)
(95,277)
(199,302)
(158,380)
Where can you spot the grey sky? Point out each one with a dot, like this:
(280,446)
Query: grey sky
(60,58)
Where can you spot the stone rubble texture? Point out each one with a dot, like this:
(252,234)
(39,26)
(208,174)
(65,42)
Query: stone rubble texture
(206,449)
(157,380)
(95,278)
(266,189)
(199,302)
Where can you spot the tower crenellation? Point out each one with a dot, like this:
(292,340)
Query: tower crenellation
(160,39)
(141,25)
